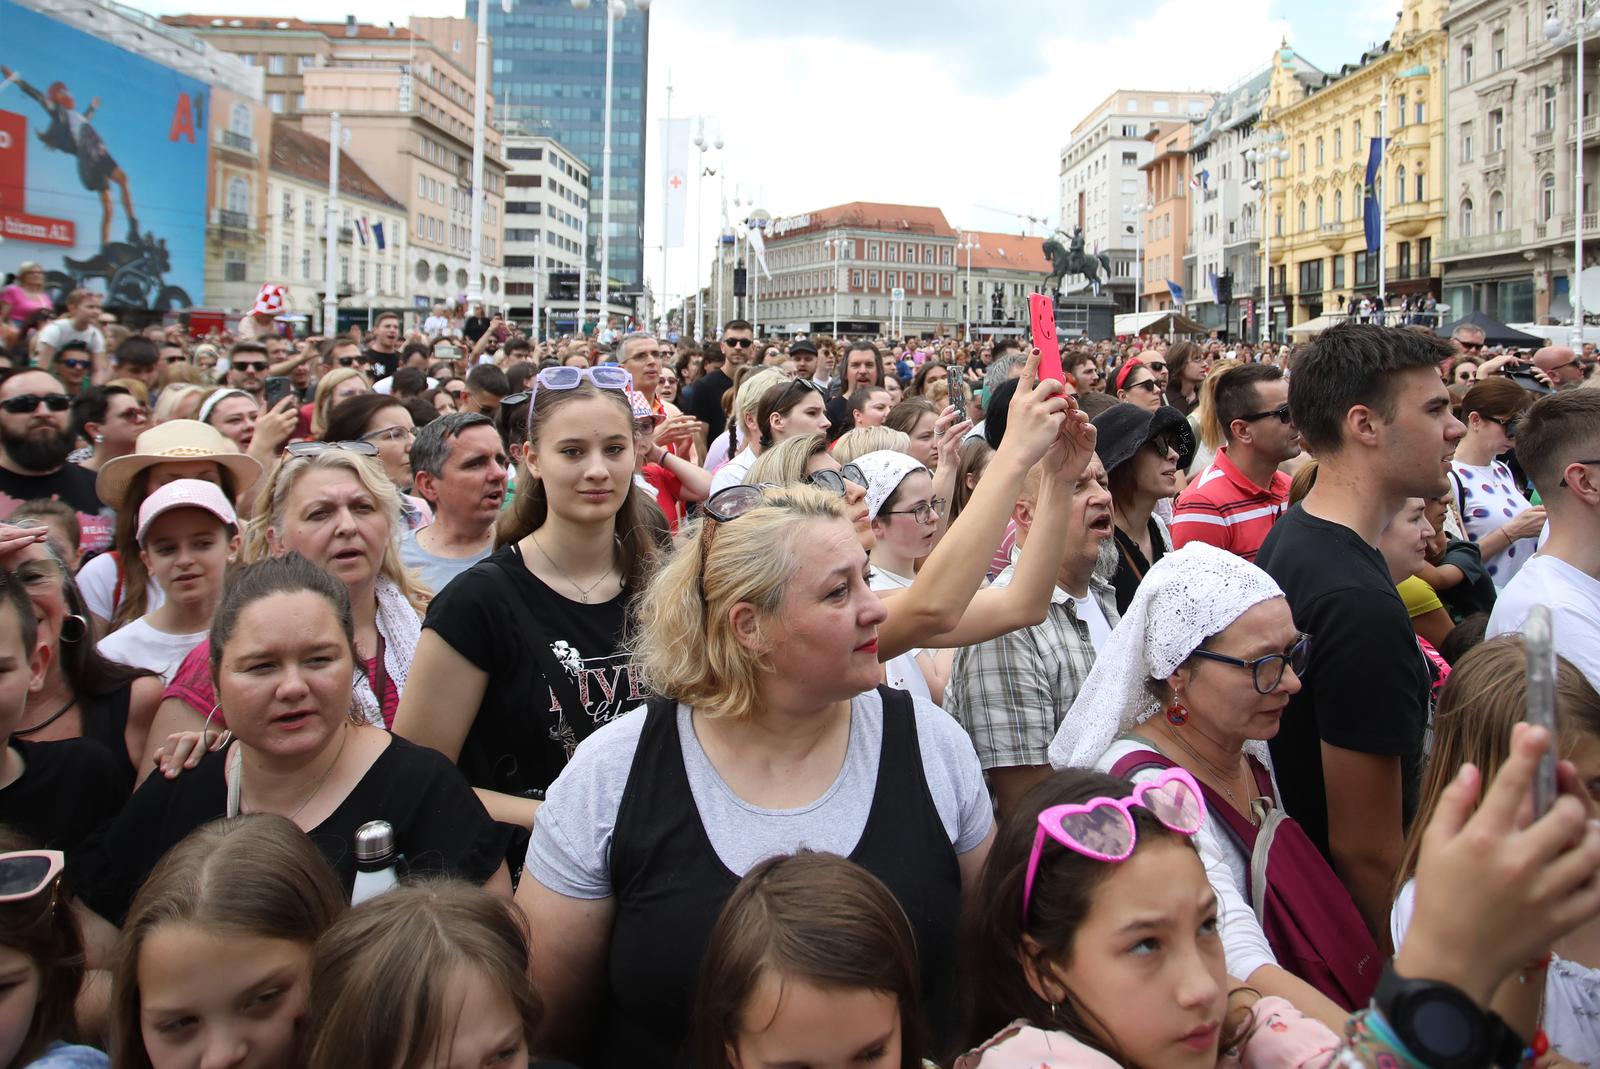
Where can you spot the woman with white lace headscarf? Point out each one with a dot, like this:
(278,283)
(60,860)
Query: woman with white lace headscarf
(1197,674)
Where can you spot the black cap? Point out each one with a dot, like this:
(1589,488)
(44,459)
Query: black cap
(803,345)
(1125,428)
(996,407)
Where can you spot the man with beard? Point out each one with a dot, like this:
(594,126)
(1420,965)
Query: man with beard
(1371,407)
(1011,693)
(863,367)
(247,368)
(35,438)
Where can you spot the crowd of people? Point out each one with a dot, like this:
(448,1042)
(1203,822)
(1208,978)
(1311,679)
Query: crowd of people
(437,700)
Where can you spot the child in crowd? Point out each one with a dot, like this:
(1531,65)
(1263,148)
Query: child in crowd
(188,534)
(433,975)
(218,946)
(811,963)
(41,963)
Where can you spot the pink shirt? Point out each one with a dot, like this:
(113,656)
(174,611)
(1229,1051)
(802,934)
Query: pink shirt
(23,304)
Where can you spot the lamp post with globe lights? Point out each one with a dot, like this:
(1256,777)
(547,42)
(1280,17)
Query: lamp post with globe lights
(1555,27)
(835,246)
(1138,213)
(703,143)
(1263,159)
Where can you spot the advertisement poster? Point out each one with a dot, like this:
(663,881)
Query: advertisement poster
(102,165)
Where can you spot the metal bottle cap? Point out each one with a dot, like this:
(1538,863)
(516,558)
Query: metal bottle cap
(374,841)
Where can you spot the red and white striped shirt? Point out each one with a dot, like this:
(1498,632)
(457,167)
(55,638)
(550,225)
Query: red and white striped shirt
(1225,509)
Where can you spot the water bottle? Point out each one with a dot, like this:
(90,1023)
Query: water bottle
(377,864)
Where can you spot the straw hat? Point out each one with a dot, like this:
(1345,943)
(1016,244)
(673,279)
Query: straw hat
(177,440)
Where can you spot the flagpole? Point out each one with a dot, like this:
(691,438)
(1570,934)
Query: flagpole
(479,109)
(666,195)
(1383,196)
(330,291)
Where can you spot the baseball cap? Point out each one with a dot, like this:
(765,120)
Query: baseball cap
(184,494)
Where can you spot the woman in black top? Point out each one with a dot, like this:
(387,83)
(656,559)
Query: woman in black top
(282,657)
(1143,452)
(521,657)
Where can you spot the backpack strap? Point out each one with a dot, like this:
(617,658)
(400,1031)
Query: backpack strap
(563,687)
(1140,760)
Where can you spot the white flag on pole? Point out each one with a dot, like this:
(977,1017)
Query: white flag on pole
(758,244)
(675,163)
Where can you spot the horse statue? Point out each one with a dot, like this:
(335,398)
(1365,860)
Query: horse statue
(1072,259)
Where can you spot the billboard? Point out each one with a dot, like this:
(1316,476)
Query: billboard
(102,165)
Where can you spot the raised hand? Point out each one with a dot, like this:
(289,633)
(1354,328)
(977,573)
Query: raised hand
(1037,411)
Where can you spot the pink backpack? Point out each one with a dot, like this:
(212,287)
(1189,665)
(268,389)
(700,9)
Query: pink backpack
(1314,928)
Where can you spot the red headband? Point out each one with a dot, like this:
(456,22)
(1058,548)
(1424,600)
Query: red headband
(1127,369)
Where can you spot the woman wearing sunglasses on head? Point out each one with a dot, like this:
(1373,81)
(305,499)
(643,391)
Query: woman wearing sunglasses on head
(762,630)
(1196,675)
(789,409)
(385,423)
(331,504)
(1493,508)
(521,657)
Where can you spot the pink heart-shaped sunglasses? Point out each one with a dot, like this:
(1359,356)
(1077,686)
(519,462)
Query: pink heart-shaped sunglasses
(1103,828)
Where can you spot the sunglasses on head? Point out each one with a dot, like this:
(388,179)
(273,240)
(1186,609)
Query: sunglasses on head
(24,873)
(1103,828)
(25,403)
(605,376)
(1281,412)
(834,481)
(316,449)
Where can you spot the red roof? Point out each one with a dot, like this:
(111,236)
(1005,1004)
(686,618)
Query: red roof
(869,215)
(1008,252)
(258,23)
(306,156)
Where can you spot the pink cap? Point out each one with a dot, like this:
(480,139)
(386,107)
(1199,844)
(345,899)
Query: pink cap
(184,494)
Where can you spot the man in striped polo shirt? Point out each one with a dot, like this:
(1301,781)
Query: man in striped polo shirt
(1235,502)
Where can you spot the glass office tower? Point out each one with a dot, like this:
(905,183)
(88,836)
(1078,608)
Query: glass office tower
(549,76)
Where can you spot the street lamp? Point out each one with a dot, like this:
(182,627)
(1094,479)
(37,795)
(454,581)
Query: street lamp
(835,245)
(1554,28)
(615,9)
(1138,213)
(969,242)
(1263,159)
(702,143)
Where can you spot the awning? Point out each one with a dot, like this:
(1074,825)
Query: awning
(1313,327)
(1165,321)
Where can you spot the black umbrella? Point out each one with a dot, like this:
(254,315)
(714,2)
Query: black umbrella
(1494,332)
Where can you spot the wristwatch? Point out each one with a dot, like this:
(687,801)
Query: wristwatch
(1442,1028)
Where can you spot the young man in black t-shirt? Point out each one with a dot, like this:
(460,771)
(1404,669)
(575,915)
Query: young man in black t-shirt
(1370,405)
(35,440)
(384,356)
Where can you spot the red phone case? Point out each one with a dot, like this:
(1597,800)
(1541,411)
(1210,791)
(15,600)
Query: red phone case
(1042,314)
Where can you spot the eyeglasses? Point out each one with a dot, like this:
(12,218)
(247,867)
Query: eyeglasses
(1165,444)
(177,358)
(135,415)
(1148,384)
(834,481)
(77,365)
(1267,672)
(739,343)
(1155,365)
(22,404)
(24,873)
(1471,346)
(1281,412)
(666,354)
(390,434)
(1574,362)
(925,513)
(1508,425)
(1104,829)
(606,376)
(250,365)
(1585,463)
(349,361)
(316,449)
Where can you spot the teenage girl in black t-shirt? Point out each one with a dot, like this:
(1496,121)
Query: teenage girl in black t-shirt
(522,656)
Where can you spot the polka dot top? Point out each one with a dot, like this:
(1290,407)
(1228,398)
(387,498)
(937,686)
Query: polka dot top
(1489,499)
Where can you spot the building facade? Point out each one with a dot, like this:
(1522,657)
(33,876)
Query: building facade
(1005,269)
(1511,139)
(405,97)
(1318,257)
(1102,187)
(549,72)
(371,231)
(1166,217)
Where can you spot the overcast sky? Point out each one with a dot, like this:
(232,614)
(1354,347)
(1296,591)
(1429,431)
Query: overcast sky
(954,103)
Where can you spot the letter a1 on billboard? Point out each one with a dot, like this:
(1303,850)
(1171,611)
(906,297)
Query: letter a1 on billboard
(102,165)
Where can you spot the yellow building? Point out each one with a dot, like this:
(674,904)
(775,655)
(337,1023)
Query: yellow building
(1318,258)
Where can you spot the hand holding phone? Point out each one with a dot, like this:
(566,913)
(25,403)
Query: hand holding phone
(1538,640)
(1042,317)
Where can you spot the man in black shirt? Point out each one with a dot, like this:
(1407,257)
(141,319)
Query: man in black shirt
(247,368)
(863,367)
(384,356)
(35,438)
(705,404)
(1369,403)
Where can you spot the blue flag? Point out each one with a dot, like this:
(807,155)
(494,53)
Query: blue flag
(1370,210)
(1176,291)
(377,235)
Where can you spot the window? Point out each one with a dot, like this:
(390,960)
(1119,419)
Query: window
(1497,50)
(1405,259)
(1162,107)
(304,63)
(1302,215)
(1400,184)
(855,280)
(305,263)
(1338,205)
(872,279)
(344,270)
(1277,224)
(275,103)
(1466,142)
(1338,272)
(1320,218)
(286,212)
(311,216)
(1355,136)
(1466,218)
(274,64)
(1130,129)
(234,269)
(1497,130)
(1466,64)
(239,120)
(1319,152)
(1402,115)
(1338,143)
(1301,155)
(1547,198)
(283,260)
(299,102)
(1422,187)
(1547,108)
(1130,159)
(1424,257)
(1497,212)
(238,196)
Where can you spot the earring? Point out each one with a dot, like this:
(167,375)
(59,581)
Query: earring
(76,634)
(99,439)
(1177,715)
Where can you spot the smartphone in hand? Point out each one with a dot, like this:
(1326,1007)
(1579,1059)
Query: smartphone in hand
(1538,640)
(1042,318)
(277,387)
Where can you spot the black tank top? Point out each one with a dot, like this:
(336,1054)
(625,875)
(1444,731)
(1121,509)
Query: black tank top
(670,886)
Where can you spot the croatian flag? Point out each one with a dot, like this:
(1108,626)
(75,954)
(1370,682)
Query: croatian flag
(377,235)
(362,229)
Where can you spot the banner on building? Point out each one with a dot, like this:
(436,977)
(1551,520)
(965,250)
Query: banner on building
(1371,210)
(675,168)
(103,164)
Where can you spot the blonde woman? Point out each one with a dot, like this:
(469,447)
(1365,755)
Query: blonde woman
(864,440)
(181,401)
(337,385)
(1203,420)
(333,505)
(745,428)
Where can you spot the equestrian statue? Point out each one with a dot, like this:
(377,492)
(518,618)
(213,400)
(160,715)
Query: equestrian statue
(1071,259)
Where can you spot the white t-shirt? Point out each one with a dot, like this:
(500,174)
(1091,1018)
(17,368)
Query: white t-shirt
(97,582)
(385,386)
(1574,601)
(717,452)
(143,646)
(57,333)
(1490,500)
(905,671)
(1089,611)
(734,472)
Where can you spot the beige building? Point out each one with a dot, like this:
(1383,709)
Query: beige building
(405,94)
(1511,136)
(1166,222)
(1005,269)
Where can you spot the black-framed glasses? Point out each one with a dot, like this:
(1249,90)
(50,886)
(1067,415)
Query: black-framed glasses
(739,343)
(316,449)
(1148,384)
(926,512)
(834,481)
(1471,346)
(1165,444)
(1508,425)
(250,365)
(24,403)
(731,502)
(1585,463)
(1267,672)
(1281,412)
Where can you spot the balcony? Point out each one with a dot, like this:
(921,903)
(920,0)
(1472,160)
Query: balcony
(1591,128)
(1591,220)
(1480,244)
(346,234)
(1334,235)
(243,144)
(1410,219)
(229,220)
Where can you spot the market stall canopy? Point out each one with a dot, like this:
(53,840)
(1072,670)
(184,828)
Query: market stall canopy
(1312,327)
(1494,332)
(1157,322)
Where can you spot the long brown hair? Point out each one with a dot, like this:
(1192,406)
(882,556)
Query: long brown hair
(815,918)
(255,875)
(1484,698)
(42,929)
(383,974)
(135,578)
(640,526)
